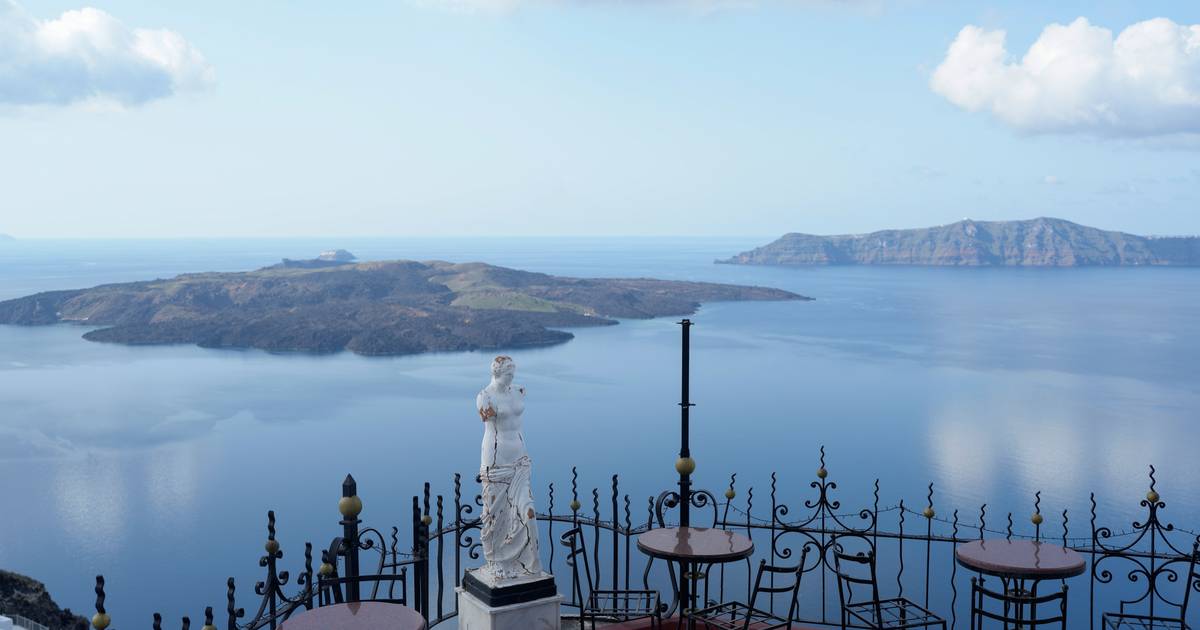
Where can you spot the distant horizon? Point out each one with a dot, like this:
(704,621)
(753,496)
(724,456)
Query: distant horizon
(15,237)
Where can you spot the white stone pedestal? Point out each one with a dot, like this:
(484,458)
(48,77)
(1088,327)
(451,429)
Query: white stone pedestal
(539,614)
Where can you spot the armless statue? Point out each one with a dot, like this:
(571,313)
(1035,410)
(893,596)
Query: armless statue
(509,524)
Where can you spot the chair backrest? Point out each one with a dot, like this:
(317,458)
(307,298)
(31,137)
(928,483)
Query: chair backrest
(389,585)
(1193,581)
(1155,602)
(791,586)
(1016,610)
(576,556)
(855,571)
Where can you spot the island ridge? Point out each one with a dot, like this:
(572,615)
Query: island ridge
(373,308)
(1042,242)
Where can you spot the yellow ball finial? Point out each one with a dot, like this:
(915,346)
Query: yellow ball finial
(929,513)
(730,494)
(685,465)
(1036,518)
(350,507)
(100,621)
(272,547)
(326,569)
(1152,496)
(822,473)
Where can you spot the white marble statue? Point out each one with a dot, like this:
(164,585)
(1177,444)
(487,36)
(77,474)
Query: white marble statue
(509,526)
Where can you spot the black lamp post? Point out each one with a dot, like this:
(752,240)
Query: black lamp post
(685,465)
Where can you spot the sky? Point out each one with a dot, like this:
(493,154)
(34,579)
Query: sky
(274,118)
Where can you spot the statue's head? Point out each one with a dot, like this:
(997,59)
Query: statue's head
(503,368)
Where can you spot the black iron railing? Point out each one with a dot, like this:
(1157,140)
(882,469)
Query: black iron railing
(421,563)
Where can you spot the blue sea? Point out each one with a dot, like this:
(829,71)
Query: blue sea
(156,465)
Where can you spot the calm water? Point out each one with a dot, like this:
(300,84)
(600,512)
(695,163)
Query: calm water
(156,465)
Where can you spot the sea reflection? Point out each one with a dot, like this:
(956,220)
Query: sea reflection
(91,500)
(171,475)
(1064,435)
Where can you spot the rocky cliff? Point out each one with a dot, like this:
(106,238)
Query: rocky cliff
(28,598)
(1042,242)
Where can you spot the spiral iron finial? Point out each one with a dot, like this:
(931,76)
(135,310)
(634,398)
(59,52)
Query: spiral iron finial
(575,504)
(272,545)
(822,472)
(730,493)
(574,482)
(100,620)
(157,625)
(1152,495)
(1037,508)
(208,619)
(308,563)
(929,513)
(234,613)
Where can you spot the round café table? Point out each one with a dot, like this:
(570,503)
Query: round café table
(691,547)
(1020,559)
(357,616)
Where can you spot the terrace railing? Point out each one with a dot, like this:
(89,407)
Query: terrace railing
(1140,566)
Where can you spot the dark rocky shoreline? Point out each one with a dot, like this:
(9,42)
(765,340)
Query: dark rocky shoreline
(25,596)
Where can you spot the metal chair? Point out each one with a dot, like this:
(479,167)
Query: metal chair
(388,584)
(1016,608)
(857,570)
(618,605)
(739,616)
(1122,620)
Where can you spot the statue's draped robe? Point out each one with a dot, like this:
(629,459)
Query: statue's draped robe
(509,536)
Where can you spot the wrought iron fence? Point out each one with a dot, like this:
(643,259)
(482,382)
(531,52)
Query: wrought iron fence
(421,563)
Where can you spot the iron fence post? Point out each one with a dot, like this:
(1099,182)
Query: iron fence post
(350,506)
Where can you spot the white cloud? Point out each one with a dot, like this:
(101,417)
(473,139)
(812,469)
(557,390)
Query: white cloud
(88,56)
(501,6)
(1078,78)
